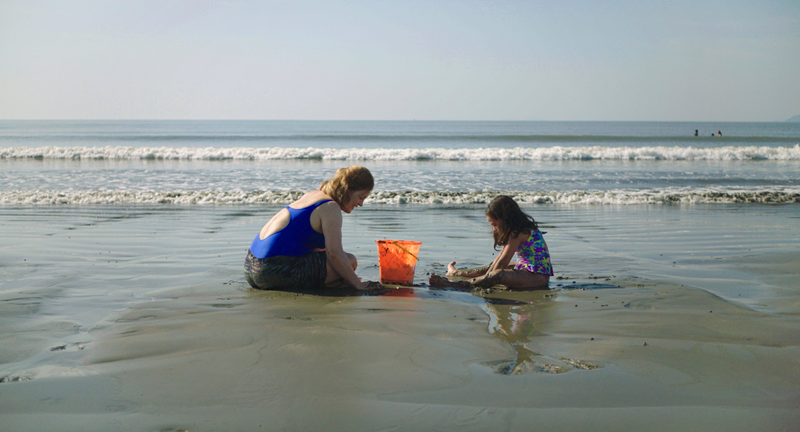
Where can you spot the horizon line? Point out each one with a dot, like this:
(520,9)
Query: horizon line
(794,119)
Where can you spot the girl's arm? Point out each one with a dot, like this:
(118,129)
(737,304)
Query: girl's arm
(502,260)
(472,272)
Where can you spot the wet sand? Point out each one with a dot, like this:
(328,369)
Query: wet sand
(661,320)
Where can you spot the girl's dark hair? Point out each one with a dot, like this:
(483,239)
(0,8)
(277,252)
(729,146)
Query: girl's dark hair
(511,219)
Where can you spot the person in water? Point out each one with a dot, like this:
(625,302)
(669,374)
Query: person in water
(517,233)
(300,248)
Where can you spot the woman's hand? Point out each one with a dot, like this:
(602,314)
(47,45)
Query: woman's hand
(369,286)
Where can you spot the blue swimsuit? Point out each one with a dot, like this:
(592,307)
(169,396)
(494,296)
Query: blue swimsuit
(295,239)
(288,259)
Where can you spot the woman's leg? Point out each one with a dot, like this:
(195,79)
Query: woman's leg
(334,278)
(286,272)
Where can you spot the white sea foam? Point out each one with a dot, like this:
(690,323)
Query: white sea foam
(682,196)
(557,153)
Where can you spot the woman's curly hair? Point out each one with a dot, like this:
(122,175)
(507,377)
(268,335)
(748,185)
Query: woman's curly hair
(345,180)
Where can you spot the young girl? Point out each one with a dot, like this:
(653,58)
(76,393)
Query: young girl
(517,233)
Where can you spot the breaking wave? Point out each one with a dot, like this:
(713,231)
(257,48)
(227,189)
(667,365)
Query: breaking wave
(588,197)
(556,153)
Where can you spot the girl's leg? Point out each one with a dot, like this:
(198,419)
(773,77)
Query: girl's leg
(485,281)
(473,272)
(438,281)
(514,279)
(494,277)
(524,280)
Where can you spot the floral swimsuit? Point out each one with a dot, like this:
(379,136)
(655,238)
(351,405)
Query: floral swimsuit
(533,255)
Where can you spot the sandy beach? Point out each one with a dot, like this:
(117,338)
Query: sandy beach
(655,321)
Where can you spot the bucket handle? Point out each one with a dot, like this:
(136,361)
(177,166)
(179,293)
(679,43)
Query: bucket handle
(405,250)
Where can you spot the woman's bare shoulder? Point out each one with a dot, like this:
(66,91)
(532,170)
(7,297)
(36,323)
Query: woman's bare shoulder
(308,199)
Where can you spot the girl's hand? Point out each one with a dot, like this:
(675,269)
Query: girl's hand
(451,269)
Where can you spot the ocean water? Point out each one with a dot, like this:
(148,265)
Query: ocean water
(431,163)
(606,188)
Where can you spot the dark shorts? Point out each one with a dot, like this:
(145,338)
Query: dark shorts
(300,273)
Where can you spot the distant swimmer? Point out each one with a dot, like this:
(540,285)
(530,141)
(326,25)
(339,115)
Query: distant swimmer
(719,133)
(695,132)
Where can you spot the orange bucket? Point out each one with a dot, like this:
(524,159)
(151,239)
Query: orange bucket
(397,260)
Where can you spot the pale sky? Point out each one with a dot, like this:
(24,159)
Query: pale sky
(693,60)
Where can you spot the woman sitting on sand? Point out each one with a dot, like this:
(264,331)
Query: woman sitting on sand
(517,233)
(300,248)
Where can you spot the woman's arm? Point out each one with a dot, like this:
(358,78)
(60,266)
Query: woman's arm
(331,222)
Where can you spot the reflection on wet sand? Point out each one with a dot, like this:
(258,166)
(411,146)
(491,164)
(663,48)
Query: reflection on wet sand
(518,323)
